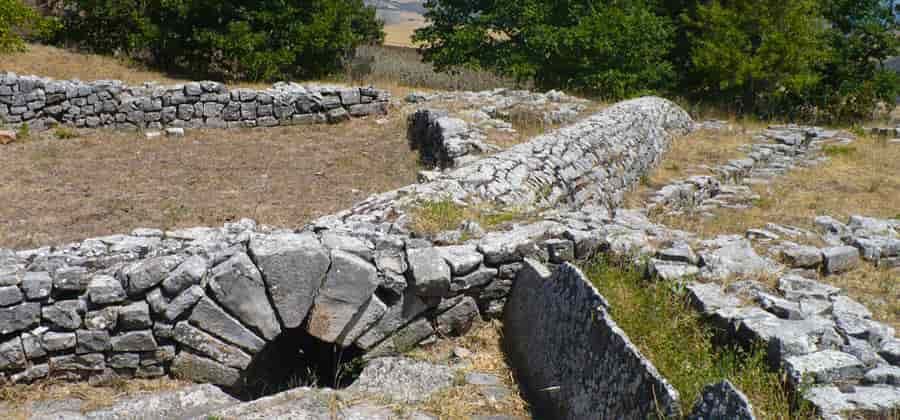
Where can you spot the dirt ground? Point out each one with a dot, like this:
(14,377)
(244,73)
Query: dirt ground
(104,182)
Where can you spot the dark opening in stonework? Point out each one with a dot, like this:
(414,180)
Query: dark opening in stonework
(296,359)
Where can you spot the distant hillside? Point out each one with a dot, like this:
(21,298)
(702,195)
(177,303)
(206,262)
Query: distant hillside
(401,18)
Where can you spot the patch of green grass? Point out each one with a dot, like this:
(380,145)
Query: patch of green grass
(658,319)
(65,133)
(839,150)
(432,217)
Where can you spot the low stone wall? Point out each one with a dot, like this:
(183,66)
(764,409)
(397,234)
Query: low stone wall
(42,102)
(571,359)
(202,303)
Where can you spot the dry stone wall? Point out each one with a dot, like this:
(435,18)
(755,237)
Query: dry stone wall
(42,102)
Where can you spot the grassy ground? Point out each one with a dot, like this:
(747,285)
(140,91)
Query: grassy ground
(15,399)
(658,319)
(105,182)
(462,401)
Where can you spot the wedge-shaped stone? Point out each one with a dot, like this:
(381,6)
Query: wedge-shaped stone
(399,314)
(189,273)
(293,267)
(349,284)
(370,313)
(237,285)
(183,302)
(403,340)
(212,318)
(144,275)
(200,369)
(722,401)
(133,341)
(430,272)
(210,346)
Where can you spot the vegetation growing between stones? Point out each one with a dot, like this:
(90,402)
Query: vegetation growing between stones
(433,217)
(657,318)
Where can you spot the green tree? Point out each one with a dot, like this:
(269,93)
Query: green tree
(760,55)
(17,19)
(611,48)
(861,37)
(230,39)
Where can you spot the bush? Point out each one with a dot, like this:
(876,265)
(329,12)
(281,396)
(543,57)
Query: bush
(229,40)
(17,19)
(614,49)
(757,54)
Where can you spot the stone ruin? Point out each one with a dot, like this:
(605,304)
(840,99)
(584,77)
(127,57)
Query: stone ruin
(43,103)
(225,305)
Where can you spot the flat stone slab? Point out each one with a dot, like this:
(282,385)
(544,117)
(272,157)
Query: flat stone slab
(826,366)
(193,401)
(402,380)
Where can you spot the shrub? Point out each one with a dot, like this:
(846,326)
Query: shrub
(757,54)
(17,19)
(231,40)
(614,49)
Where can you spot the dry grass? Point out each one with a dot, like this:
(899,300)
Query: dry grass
(107,182)
(692,154)
(58,63)
(463,401)
(863,178)
(432,217)
(18,399)
(400,34)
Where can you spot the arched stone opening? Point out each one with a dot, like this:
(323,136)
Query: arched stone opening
(297,359)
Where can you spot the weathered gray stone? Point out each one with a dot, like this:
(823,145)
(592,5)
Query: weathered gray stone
(889,375)
(209,346)
(298,403)
(458,320)
(356,246)
(680,252)
(104,290)
(78,362)
(32,343)
(237,285)
(349,284)
(200,369)
(669,271)
(730,256)
(796,287)
(403,340)
(183,302)
(71,279)
(722,400)
(191,402)
(213,319)
(146,274)
(802,256)
(890,351)
(430,272)
(10,295)
(462,259)
(572,346)
(293,267)
(12,355)
(478,278)
(124,361)
(399,314)
(103,319)
(403,380)
(92,341)
(826,366)
(189,273)
(367,316)
(37,285)
(834,402)
(64,315)
(135,316)
(56,341)
(840,259)
(709,298)
(560,250)
(133,341)
(31,374)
